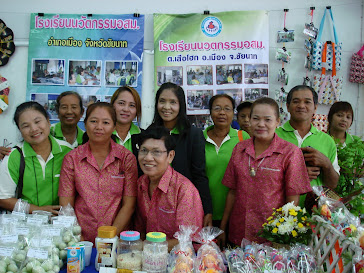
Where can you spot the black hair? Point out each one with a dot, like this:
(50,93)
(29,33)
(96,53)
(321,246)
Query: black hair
(337,107)
(157,132)
(299,88)
(33,105)
(91,108)
(183,124)
(269,101)
(243,105)
(211,101)
(67,93)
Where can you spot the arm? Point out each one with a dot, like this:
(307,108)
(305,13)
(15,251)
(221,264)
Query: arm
(127,209)
(318,159)
(230,200)
(64,201)
(294,198)
(199,178)
(67,187)
(171,243)
(9,205)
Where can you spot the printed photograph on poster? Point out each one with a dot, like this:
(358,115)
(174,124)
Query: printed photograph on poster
(169,74)
(47,72)
(199,75)
(120,73)
(228,74)
(256,73)
(200,121)
(285,36)
(252,94)
(236,94)
(198,99)
(84,72)
(48,101)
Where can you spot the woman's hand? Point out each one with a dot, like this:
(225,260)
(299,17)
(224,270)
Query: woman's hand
(207,220)
(4,151)
(53,209)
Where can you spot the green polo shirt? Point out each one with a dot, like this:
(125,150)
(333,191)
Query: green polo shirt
(41,179)
(350,138)
(217,159)
(56,131)
(127,142)
(316,139)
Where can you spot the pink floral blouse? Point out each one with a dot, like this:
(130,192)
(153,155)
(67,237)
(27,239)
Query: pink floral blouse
(280,172)
(98,193)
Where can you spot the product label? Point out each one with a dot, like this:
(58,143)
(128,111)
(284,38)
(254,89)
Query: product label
(9,239)
(20,215)
(51,232)
(65,221)
(34,221)
(6,251)
(73,260)
(3,105)
(22,230)
(9,218)
(105,253)
(37,253)
(4,85)
(36,242)
(109,270)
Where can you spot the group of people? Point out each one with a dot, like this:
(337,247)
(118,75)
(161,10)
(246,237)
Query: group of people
(172,173)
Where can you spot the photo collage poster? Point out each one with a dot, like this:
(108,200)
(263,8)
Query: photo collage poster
(220,53)
(91,54)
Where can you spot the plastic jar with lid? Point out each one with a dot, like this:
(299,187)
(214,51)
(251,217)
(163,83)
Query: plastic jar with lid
(130,251)
(106,243)
(155,252)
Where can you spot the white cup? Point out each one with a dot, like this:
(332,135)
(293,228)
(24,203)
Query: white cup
(88,250)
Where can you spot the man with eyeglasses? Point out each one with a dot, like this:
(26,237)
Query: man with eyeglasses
(166,199)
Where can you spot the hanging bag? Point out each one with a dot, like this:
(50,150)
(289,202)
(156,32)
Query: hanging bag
(318,47)
(328,87)
(357,67)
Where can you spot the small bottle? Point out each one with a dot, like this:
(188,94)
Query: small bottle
(106,244)
(155,253)
(130,251)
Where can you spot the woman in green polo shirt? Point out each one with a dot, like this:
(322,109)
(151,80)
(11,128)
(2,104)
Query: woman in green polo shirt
(340,118)
(221,139)
(43,156)
(70,110)
(127,105)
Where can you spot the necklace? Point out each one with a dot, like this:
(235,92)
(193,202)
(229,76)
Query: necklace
(252,171)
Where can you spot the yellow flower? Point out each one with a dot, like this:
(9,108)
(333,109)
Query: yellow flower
(300,210)
(270,222)
(307,224)
(300,225)
(292,212)
(264,224)
(278,224)
(304,218)
(280,209)
(273,213)
(281,220)
(294,219)
(269,218)
(294,233)
(352,227)
(275,230)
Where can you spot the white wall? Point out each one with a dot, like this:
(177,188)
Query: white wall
(348,19)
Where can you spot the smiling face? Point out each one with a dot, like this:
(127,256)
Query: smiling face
(125,108)
(264,122)
(243,118)
(34,127)
(69,112)
(154,166)
(99,125)
(222,112)
(302,106)
(168,108)
(341,121)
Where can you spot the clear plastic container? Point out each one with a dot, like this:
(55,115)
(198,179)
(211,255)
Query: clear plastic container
(155,253)
(130,251)
(44,213)
(106,243)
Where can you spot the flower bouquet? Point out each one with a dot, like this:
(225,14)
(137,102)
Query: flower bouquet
(288,225)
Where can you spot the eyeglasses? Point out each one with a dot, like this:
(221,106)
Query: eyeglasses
(219,108)
(154,153)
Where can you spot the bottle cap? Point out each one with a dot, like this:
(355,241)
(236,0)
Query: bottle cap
(106,232)
(156,237)
(130,235)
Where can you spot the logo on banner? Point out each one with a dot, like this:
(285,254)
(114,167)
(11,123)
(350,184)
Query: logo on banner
(211,26)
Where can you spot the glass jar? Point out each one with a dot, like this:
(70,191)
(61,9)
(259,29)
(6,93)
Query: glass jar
(130,251)
(155,253)
(106,244)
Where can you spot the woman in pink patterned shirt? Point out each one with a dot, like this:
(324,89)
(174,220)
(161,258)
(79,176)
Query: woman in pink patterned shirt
(264,172)
(99,177)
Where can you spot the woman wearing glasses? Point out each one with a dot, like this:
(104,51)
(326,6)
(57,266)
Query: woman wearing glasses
(99,177)
(220,142)
(166,199)
(170,112)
